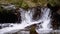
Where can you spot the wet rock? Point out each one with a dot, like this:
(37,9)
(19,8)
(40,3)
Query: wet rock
(37,13)
(32,30)
(55,12)
(8,6)
(7,17)
(58,11)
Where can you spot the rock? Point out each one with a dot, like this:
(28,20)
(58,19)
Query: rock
(9,7)
(58,11)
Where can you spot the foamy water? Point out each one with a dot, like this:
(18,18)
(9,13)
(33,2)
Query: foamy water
(27,20)
(46,21)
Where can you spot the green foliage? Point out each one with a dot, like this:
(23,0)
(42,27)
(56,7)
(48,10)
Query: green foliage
(54,2)
(18,3)
(31,3)
(35,1)
(24,5)
(57,2)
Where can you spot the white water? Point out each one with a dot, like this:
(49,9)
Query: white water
(44,27)
(27,20)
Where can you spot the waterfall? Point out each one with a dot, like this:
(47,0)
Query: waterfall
(27,20)
(46,21)
(26,16)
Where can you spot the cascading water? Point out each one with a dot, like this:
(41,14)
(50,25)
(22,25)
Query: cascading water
(46,18)
(27,20)
(26,17)
(44,27)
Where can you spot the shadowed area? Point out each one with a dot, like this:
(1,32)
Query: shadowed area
(7,18)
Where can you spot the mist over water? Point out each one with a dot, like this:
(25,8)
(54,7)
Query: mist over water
(27,20)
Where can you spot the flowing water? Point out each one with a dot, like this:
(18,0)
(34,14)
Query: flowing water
(27,20)
(45,26)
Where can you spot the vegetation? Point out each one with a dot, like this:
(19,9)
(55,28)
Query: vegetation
(31,3)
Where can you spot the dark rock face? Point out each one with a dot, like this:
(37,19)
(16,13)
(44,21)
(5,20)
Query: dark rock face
(7,17)
(9,14)
(55,16)
(37,13)
(56,21)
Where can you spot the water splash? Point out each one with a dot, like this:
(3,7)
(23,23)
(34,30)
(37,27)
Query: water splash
(46,21)
(27,20)
(26,17)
